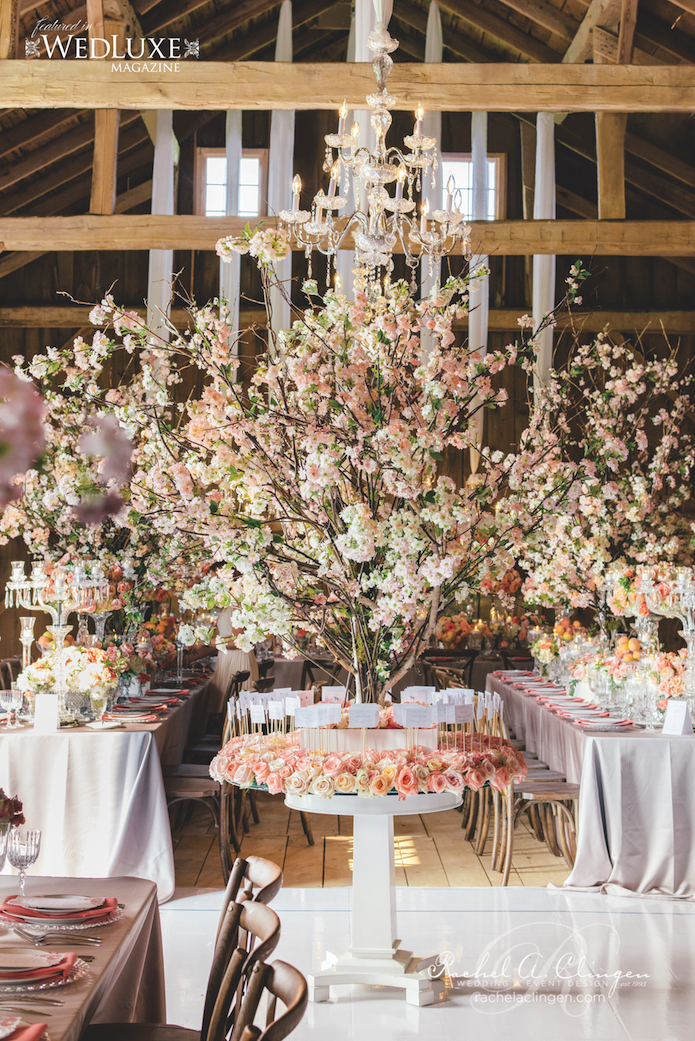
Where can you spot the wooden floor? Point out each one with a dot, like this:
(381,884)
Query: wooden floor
(430,851)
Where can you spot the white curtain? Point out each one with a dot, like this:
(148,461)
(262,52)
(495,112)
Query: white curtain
(230,274)
(479,293)
(280,170)
(432,127)
(544,265)
(161,261)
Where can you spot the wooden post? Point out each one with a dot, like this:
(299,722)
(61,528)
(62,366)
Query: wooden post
(106,121)
(8,28)
(610,158)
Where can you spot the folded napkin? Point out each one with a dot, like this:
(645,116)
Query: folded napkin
(24,1031)
(131,717)
(108,907)
(48,972)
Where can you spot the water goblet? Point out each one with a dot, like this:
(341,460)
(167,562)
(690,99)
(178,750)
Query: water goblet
(4,835)
(22,851)
(11,701)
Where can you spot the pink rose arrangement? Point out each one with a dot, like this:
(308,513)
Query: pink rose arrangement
(279,764)
(10,810)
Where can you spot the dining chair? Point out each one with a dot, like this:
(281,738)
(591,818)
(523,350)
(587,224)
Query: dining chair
(232,966)
(280,981)
(259,880)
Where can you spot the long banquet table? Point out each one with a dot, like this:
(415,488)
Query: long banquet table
(98,796)
(125,982)
(636,824)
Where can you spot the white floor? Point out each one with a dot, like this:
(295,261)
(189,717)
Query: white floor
(532,964)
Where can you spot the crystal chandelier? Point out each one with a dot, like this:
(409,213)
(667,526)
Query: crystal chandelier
(381,221)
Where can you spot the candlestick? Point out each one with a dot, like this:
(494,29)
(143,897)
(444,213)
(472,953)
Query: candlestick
(333,181)
(419,116)
(423,216)
(343,115)
(400,181)
(450,189)
(355,133)
(296,189)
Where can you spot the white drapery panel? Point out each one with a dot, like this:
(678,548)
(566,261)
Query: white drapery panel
(280,170)
(432,127)
(230,274)
(480,292)
(161,261)
(544,266)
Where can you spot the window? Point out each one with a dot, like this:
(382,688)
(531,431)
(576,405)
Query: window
(211,182)
(459,165)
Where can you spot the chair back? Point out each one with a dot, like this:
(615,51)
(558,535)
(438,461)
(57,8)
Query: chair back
(247,875)
(250,932)
(283,982)
(267,683)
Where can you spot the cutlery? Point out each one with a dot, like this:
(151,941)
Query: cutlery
(57,936)
(33,1000)
(29,1011)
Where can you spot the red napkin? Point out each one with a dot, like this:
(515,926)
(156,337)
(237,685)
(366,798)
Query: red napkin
(27,1032)
(109,905)
(63,968)
(126,717)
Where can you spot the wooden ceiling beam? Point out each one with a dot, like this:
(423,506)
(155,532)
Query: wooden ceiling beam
(63,171)
(241,11)
(446,86)
(259,37)
(606,44)
(77,192)
(459,45)
(605,13)
(59,148)
(73,316)
(500,30)
(542,13)
(652,31)
(512,238)
(30,131)
(233,18)
(8,29)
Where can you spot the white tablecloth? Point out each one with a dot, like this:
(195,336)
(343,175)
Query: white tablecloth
(126,978)
(98,797)
(636,826)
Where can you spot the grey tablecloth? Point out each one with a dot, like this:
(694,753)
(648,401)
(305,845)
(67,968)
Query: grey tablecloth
(636,826)
(126,978)
(98,796)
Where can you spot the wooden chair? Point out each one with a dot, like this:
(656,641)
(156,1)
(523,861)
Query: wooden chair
(518,660)
(264,667)
(280,981)
(253,873)
(232,967)
(265,684)
(312,670)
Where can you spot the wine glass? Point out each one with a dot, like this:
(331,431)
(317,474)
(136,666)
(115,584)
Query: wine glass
(99,698)
(22,850)
(11,701)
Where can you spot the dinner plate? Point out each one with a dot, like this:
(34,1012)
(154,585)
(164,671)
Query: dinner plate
(56,920)
(8,1026)
(28,961)
(79,971)
(58,904)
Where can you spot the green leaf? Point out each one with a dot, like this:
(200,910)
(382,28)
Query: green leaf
(430,497)
(436,455)
(214,508)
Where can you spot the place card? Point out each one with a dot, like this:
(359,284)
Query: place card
(364,716)
(306,716)
(417,715)
(328,713)
(276,710)
(291,705)
(257,714)
(46,714)
(677,719)
(231,709)
(335,695)
(463,713)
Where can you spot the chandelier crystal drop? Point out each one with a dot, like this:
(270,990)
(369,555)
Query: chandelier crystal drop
(381,220)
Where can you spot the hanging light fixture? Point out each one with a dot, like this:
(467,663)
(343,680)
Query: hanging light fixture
(382,221)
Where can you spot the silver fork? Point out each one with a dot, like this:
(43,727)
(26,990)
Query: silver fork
(55,936)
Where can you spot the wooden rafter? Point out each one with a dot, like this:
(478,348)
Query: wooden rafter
(41,158)
(31,131)
(500,30)
(558,22)
(240,11)
(605,13)
(458,44)
(653,31)
(512,238)
(8,29)
(626,38)
(453,87)
(261,36)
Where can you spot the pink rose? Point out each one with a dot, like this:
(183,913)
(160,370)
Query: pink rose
(454,781)
(502,778)
(261,771)
(275,784)
(380,784)
(406,783)
(332,766)
(475,778)
(437,782)
(322,786)
(296,785)
(243,775)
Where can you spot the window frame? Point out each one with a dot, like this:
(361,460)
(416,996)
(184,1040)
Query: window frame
(200,176)
(501,188)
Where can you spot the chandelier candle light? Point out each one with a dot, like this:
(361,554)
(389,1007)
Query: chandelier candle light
(58,593)
(381,220)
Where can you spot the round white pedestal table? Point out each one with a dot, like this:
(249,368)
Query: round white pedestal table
(374,955)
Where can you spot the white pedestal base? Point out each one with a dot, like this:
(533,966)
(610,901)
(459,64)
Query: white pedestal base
(374,956)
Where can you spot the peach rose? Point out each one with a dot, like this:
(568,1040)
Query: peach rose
(475,778)
(261,771)
(275,784)
(380,785)
(422,774)
(322,786)
(243,775)
(362,781)
(344,783)
(454,781)
(296,785)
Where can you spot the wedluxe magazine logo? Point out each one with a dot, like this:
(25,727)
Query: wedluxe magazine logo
(56,39)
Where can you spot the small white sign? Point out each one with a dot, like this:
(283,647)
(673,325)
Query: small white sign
(329,714)
(257,714)
(463,713)
(307,716)
(418,716)
(46,714)
(231,709)
(291,705)
(334,695)
(677,719)
(276,710)
(480,707)
(364,716)
(282,690)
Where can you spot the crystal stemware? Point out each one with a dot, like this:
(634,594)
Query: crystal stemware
(11,701)
(22,851)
